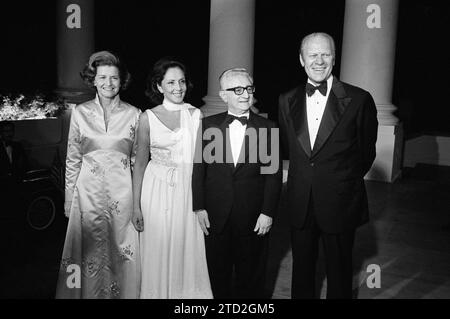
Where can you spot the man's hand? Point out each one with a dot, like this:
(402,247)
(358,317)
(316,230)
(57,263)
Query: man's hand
(263,224)
(137,220)
(203,220)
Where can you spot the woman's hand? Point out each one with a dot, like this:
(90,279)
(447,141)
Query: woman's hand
(203,220)
(67,205)
(137,220)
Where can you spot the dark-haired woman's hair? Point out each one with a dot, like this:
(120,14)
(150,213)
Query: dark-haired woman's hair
(157,75)
(104,58)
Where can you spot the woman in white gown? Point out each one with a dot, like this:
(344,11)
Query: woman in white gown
(101,252)
(173,260)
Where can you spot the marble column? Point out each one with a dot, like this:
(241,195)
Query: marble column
(75,43)
(368,61)
(231,44)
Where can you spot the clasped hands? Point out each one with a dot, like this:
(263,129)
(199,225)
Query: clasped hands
(262,227)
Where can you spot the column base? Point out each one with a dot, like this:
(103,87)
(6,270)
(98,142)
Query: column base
(385,114)
(76,96)
(388,162)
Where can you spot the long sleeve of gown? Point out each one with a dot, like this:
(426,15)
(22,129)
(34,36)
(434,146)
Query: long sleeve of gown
(74,156)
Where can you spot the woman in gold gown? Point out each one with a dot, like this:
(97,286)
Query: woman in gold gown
(101,253)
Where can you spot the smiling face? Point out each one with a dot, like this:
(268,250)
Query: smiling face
(173,86)
(107,81)
(317,58)
(237,104)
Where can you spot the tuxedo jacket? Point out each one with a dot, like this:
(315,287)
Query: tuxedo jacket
(238,192)
(330,173)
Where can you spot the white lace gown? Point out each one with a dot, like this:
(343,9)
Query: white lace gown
(173,259)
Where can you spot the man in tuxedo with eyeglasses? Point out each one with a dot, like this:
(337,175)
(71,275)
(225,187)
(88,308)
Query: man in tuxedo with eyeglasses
(329,131)
(236,190)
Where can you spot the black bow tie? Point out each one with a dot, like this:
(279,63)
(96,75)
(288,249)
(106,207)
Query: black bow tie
(310,89)
(242,119)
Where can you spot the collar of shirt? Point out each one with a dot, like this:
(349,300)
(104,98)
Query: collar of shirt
(115,102)
(329,84)
(246,114)
(170,106)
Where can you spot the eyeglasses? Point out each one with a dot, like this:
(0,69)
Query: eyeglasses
(239,90)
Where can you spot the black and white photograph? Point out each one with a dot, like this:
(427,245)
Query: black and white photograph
(240,150)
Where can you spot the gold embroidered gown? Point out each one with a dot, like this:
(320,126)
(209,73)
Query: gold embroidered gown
(101,252)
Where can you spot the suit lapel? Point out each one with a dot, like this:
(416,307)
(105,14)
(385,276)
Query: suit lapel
(297,106)
(335,107)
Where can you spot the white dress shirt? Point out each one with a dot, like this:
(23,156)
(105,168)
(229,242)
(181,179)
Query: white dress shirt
(237,133)
(315,106)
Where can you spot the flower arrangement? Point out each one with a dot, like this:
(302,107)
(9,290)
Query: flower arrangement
(23,107)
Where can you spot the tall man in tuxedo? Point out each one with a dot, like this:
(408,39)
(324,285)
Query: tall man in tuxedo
(329,129)
(236,189)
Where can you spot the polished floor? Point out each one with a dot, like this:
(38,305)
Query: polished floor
(408,238)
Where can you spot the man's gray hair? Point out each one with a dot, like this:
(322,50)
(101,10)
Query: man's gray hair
(233,71)
(318,34)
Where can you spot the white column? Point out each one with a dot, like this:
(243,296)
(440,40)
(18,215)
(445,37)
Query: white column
(368,61)
(75,43)
(231,44)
